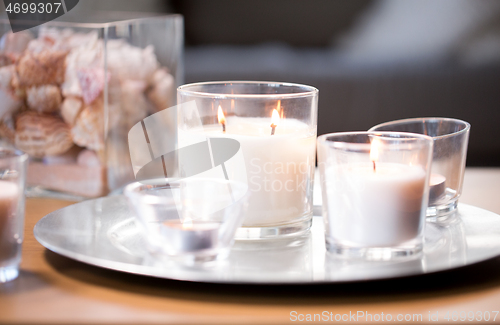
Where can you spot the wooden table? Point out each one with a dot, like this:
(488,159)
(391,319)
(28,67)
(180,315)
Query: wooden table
(53,289)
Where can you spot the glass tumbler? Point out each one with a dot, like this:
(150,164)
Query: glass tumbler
(375,192)
(12,181)
(274,128)
(191,219)
(451,137)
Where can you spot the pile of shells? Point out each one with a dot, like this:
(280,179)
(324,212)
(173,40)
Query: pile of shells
(52,90)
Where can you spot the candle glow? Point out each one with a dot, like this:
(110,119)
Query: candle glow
(374,152)
(187,223)
(275,119)
(221,118)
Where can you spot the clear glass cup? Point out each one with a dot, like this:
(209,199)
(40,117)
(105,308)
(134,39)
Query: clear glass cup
(274,125)
(375,193)
(12,180)
(192,219)
(451,137)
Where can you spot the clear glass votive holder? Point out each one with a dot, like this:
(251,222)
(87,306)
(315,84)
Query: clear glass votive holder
(451,137)
(193,220)
(274,125)
(12,181)
(71,92)
(375,192)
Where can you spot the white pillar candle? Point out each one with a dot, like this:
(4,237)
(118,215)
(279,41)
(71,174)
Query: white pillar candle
(9,193)
(278,166)
(375,208)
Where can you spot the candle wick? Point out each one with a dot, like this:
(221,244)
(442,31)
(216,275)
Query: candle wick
(223,127)
(273,129)
(374,166)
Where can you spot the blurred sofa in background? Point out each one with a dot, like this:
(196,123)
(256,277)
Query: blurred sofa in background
(372,60)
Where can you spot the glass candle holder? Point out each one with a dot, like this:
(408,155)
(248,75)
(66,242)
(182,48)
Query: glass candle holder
(12,180)
(274,125)
(375,192)
(451,137)
(191,219)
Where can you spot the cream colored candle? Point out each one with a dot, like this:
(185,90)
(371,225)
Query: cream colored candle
(193,236)
(9,193)
(279,167)
(437,187)
(377,208)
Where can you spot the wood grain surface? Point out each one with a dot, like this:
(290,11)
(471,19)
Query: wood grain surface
(52,289)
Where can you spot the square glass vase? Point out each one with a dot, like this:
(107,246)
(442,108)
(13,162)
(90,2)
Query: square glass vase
(70,92)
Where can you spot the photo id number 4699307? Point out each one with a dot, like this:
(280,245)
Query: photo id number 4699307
(469,316)
(41,8)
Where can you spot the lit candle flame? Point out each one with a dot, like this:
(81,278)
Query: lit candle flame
(374,151)
(221,118)
(279,109)
(275,120)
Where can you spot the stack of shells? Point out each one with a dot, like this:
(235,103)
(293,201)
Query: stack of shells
(52,94)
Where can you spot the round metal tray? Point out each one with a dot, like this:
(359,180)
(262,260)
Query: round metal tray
(102,232)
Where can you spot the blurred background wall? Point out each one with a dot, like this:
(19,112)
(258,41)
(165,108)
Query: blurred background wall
(372,60)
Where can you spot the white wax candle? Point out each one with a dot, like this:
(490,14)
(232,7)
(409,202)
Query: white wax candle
(437,187)
(280,167)
(378,208)
(196,236)
(9,193)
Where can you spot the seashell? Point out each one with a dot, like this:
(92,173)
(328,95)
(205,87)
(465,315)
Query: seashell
(7,129)
(133,101)
(88,130)
(159,75)
(91,82)
(88,158)
(7,59)
(130,62)
(69,157)
(44,99)
(8,99)
(46,67)
(15,83)
(6,75)
(61,39)
(162,93)
(40,135)
(15,43)
(70,109)
(88,55)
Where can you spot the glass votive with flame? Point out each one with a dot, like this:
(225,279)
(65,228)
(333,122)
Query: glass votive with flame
(274,125)
(194,219)
(451,138)
(375,193)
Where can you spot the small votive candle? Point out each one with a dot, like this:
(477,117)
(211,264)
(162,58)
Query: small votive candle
(437,187)
(451,138)
(192,219)
(189,236)
(375,192)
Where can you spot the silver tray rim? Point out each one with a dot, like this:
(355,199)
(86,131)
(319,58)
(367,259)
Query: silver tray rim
(151,271)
